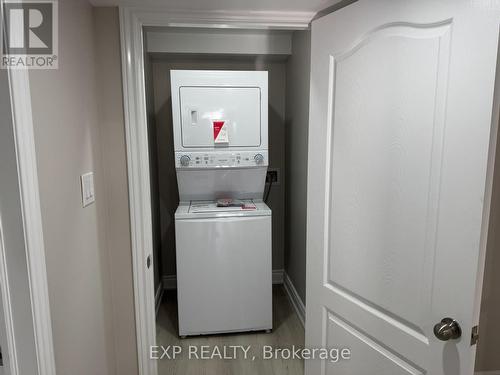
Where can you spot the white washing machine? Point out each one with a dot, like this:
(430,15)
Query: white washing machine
(224,254)
(223,268)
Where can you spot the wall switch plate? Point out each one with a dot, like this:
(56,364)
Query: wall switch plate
(88,195)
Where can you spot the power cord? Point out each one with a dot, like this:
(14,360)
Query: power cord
(266,197)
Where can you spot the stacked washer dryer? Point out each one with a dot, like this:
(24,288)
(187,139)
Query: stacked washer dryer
(222,226)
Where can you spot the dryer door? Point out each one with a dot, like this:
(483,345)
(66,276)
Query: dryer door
(207,110)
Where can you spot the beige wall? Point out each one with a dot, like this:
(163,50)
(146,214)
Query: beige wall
(114,164)
(168,194)
(79,128)
(488,349)
(297,120)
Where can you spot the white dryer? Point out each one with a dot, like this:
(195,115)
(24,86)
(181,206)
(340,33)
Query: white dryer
(224,269)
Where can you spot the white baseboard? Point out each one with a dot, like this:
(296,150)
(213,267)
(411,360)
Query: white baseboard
(158,296)
(496,372)
(170,282)
(278,276)
(295,299)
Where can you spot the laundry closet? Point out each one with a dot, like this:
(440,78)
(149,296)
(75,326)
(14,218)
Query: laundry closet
(283,56)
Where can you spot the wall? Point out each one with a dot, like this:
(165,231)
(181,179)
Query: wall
(114,164)
(487,358)
(297,120)
(223,41)
(166,171)
(91,298)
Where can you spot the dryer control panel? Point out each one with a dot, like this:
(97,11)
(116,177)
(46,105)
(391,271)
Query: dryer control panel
(235,159)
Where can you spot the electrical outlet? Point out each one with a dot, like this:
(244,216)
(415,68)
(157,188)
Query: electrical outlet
(272,175)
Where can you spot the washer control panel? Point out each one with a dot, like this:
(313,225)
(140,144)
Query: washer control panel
(231,159)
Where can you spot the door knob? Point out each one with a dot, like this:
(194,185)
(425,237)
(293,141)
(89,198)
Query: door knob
(447,329)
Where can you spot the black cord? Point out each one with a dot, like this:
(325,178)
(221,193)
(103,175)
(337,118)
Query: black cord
(268,191)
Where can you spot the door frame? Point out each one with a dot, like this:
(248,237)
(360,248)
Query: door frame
(132,22)
(5,289)
(20,96)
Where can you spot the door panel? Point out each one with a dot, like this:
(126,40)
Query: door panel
(400,121)
(377,359)
(384,168)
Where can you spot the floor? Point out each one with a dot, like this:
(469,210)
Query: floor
(287,331)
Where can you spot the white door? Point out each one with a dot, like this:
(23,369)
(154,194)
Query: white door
(399,141)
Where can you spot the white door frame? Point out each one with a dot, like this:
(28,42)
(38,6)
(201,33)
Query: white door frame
(11,364)
(132,21)
(32,219)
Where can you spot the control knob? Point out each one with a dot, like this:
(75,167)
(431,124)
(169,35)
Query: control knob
(259,158)
(185,160)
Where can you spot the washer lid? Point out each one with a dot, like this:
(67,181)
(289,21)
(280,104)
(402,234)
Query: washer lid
(209,209)
(227,205)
